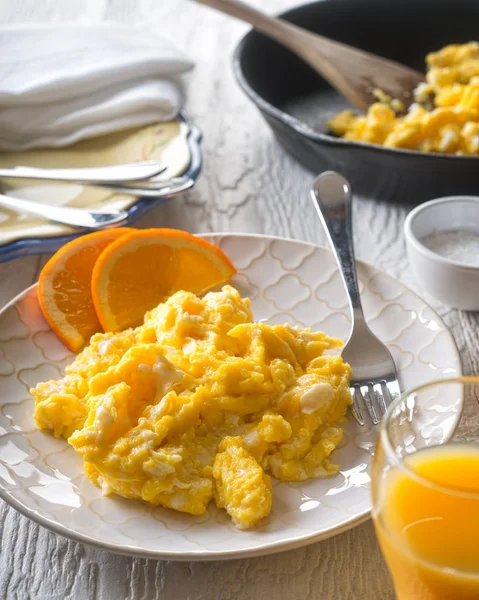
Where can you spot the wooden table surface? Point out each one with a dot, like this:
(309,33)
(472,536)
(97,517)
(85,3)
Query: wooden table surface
(248,184)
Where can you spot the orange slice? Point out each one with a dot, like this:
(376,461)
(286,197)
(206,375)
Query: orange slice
(64,287)
(140,270)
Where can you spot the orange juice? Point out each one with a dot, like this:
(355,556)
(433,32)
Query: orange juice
(430,534)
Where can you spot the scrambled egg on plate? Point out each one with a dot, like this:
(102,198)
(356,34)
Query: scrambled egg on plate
(201,403)
(444,118)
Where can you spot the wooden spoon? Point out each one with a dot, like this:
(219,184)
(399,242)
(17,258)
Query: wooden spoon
(354,73)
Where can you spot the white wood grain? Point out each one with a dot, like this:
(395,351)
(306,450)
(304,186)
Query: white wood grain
(248,184)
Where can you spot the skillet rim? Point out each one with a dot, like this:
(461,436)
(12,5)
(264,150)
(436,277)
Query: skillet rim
(307,131)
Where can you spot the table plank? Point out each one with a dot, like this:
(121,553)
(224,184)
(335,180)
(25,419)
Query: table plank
(248,184)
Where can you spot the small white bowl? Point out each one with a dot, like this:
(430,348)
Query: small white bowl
(449,281)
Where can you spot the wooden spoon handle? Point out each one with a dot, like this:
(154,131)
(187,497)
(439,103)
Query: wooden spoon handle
(288,34)
(353,72)
(320,52)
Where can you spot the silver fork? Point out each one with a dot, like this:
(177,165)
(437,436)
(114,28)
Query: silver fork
(68,215)
(111,174)
(374,383)
(94,219)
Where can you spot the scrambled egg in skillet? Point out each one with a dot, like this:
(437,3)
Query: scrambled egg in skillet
(444,118)
(201,403)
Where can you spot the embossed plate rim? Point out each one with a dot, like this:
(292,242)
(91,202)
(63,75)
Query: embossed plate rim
(253,550)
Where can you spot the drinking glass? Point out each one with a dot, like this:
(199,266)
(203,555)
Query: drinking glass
(425,481)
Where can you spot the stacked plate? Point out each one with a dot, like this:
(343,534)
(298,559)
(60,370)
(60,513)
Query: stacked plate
(176,144)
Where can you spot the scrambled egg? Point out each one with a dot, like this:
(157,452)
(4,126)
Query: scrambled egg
(444,118)
(201,403)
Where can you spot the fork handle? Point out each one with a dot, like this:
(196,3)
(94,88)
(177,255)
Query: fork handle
(126,173)
(331,194)
(75,217)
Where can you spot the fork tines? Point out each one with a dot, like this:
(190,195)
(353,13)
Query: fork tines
(374,396)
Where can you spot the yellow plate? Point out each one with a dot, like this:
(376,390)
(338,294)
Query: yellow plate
(175,143)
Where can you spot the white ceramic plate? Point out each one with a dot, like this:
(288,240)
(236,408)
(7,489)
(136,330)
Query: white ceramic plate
(287,281)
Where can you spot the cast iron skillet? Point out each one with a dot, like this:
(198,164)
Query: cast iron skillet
(296,102)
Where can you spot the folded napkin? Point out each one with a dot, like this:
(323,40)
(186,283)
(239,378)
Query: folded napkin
(62,83)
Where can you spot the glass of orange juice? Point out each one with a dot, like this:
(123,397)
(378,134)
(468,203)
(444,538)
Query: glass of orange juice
(425,480)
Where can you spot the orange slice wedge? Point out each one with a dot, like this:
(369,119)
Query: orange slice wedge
(140,270)
(64,287)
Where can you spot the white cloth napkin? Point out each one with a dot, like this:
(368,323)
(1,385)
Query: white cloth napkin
(60,83)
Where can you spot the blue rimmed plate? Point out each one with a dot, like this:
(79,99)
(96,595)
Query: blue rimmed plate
(176,143)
